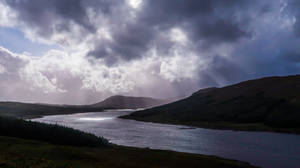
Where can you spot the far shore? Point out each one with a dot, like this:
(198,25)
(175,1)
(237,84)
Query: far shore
(257,127)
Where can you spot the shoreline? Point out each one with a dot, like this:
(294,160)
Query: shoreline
(251,127)
(103,111)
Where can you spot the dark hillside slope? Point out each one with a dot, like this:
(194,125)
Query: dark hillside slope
(272,101)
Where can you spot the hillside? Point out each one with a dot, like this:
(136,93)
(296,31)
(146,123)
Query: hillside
(271,104)
(21,153)
(126,102)
(29,110)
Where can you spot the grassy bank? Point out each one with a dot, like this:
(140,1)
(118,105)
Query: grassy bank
(20,153)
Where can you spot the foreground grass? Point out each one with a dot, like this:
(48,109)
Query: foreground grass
(20,153)
(218,125)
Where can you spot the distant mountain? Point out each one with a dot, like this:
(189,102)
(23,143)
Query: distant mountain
(29,110)
(255,104)
(127,102)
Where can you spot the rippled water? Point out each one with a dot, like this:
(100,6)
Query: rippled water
(269,150)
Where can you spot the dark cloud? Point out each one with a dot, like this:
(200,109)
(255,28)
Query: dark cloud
(205,19)
(49,17)
(220,31)
(210,21)
(293,56)
(129,42)
(207,23)
(293,8)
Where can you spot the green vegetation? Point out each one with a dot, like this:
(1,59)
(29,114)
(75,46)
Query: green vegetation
(49,133)
(20,153)
(267,104)
(28,110)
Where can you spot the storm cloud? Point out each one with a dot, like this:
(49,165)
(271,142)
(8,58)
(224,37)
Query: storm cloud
(207,23)
(133,46)
(133,32)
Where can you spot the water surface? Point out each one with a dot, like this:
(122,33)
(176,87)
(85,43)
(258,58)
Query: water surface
(268,150)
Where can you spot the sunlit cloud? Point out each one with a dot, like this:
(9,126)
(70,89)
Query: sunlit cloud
(135,3)
(178,35)
(2,69)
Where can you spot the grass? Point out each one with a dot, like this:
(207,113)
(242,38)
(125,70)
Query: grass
(20,153)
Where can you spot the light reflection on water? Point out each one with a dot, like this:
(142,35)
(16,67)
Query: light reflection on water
(269,150)
(95,119)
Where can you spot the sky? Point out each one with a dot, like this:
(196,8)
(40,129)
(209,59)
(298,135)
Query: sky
(82,51)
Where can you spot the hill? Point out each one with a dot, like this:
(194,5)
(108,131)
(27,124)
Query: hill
(127,102)
(30,110)
(270,104)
